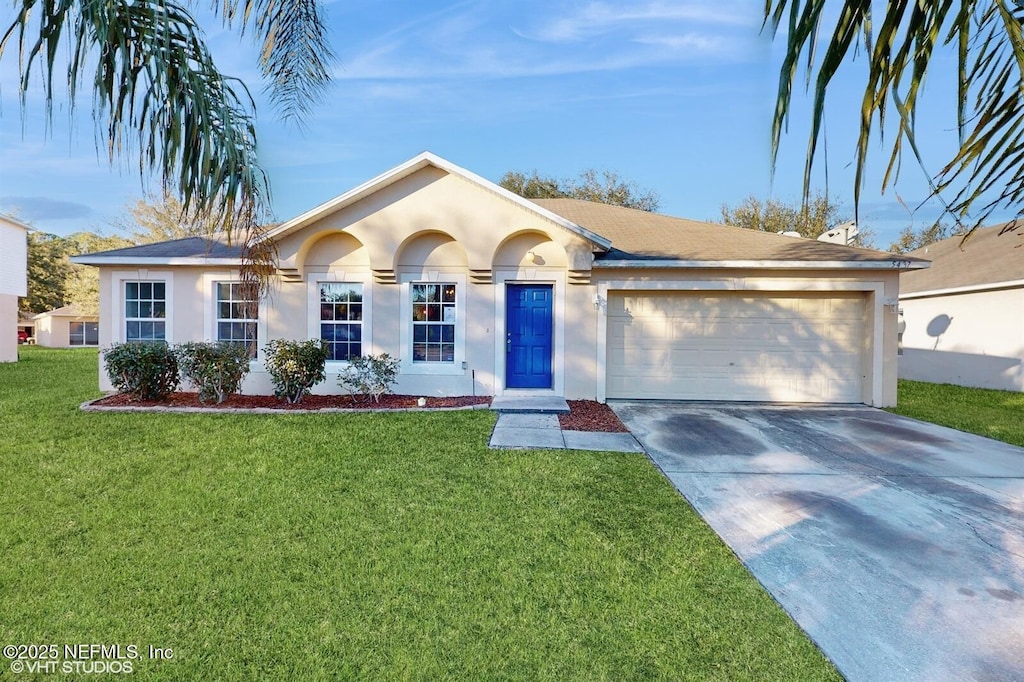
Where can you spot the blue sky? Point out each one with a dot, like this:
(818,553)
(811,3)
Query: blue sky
(677,96)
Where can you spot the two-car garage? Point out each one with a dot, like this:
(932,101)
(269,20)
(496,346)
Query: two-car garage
(771,346)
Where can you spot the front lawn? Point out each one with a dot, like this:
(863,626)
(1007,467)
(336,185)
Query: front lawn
(358,546)
(995,414)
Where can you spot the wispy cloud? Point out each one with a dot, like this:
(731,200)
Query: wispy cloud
(484,41)
(44,208)
(600,18)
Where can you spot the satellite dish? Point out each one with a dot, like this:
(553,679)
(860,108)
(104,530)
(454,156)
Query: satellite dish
(791,233)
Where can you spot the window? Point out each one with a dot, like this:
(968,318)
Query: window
(433,323)
(145,311)
(237,314)
(341,319)
(84,334)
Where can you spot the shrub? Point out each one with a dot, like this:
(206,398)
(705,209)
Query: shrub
(148,371)
(372,375)
(216,369)
(295,367)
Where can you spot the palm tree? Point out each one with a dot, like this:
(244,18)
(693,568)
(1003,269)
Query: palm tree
(987,171)
(157,92)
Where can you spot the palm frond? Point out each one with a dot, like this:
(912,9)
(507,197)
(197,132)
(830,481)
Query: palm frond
(295,55)
(156,93)
(986,173)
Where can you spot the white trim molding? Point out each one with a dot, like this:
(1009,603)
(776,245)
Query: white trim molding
(899,264)
(117,282)
(461,282)
(361,276)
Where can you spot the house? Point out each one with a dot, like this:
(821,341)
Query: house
(479,291)
(965,314)
(26,326)
(13,283)
(67,327)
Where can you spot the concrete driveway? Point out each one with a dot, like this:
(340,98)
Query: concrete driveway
(898,546)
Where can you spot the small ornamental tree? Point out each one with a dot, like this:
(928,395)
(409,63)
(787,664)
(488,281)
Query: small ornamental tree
(216,369)
(147,371)
(295,367)
(371,375)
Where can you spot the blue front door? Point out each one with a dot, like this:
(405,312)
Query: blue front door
(528,336)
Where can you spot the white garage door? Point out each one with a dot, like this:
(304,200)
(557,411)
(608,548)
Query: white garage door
(736,346)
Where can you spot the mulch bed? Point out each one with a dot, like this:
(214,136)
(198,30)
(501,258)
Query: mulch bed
(310,402)
(590,415)
(584,415)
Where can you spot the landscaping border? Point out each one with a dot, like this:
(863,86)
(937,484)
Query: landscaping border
(90,406)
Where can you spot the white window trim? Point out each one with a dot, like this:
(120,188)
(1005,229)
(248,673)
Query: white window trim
(210,282)
(118,280)
(406,280)
(313,310)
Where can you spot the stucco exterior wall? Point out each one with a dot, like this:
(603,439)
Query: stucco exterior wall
(440,228)
(54,331)
(8,328)
(13,283)
(968,339)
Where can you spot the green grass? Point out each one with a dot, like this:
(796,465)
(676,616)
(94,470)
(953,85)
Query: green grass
(359,546)
(995,414)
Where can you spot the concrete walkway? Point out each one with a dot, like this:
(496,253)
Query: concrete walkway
(524,430)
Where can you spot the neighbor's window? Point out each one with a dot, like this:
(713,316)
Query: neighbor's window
(237,314)
(145,310)
(341,319)
(84,334)
(433,323)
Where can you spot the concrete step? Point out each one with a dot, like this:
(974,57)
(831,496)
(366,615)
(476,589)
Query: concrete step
(538,404)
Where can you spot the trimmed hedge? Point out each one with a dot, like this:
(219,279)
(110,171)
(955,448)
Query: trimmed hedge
(148,371)
(216,369)
(295,367)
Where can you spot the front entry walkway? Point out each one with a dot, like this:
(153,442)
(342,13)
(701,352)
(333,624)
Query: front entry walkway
(522,430)
(897,545)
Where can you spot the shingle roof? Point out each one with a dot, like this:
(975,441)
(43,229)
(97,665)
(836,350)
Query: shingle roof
(634,236)
(187,247)
(641,235)
(985,258)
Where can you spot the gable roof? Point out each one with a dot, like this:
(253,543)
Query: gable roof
(644,239)
(985,259)
(621,237)
(408,168)
(71,310)
(13,222)
(185,251)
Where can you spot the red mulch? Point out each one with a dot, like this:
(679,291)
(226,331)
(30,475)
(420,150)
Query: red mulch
(590,415)
(310,402)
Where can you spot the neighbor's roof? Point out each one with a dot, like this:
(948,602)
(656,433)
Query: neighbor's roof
(642,238)
(186,251)
(64,311)
(986,258)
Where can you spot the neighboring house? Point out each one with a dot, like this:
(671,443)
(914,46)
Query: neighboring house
(13,283)
(27,324)
(965,314)
(67,327)
(479,291)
